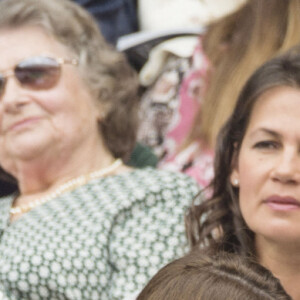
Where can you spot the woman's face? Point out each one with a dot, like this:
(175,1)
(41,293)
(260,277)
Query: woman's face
(268,167)
(34,121)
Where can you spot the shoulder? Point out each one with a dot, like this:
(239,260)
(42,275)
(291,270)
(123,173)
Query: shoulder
(147,187)
(166,176)
(5,205)
(162,180)
(6,201)
(150,232)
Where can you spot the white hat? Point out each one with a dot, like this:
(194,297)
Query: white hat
(182,14)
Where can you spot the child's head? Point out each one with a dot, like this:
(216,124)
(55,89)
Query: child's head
(218,277)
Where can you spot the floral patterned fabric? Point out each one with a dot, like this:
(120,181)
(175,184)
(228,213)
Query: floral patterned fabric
(103,240)
(167,112)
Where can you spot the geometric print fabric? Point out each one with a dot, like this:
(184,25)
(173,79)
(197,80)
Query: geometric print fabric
(103,240)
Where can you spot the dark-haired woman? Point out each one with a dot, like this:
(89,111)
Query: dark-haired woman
(254,209)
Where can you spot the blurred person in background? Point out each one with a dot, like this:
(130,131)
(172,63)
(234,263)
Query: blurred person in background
(115,17)
(186,105)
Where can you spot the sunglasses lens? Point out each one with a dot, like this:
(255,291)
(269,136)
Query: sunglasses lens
(38,72)
(2,84)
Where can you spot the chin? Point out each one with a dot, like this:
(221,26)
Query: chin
(280,235)
(26,150)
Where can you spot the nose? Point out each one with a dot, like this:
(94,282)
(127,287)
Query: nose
(287,167)
(11,98)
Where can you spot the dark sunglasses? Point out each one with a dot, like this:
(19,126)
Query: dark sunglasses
(37,72)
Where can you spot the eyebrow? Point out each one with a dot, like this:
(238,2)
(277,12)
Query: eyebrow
(273,133)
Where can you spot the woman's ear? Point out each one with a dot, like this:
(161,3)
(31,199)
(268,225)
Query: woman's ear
(100,116)
(102,111)
(234,176)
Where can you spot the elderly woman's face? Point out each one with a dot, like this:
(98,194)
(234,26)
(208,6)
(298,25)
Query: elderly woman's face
(39,115)
(268,167)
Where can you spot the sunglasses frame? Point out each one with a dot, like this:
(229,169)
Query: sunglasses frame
(12,71)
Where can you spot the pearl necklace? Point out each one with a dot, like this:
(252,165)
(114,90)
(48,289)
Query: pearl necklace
(67,186)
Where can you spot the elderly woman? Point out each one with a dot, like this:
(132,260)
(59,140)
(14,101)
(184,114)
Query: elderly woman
(255,204)
(83,225)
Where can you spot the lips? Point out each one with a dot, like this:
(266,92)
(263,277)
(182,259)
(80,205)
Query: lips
(284,203)
(22,123)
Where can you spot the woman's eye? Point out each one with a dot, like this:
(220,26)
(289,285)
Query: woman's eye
(267,145)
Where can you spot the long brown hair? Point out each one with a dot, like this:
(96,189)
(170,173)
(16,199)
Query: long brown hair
(205,277)
(217,221)
(236,45)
